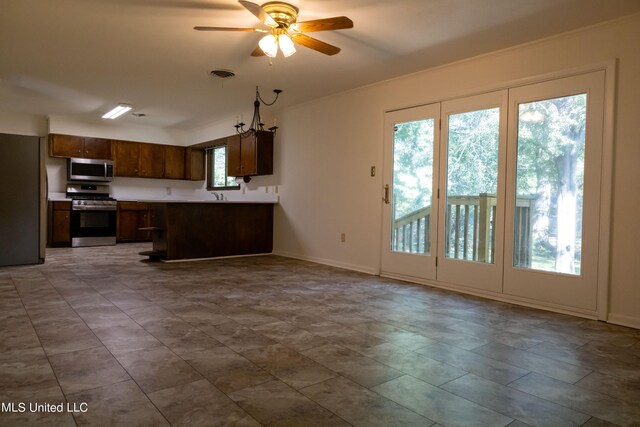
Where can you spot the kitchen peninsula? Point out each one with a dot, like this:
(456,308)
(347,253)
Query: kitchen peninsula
(206,229)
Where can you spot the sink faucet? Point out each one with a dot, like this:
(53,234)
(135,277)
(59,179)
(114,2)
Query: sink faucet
(218,196)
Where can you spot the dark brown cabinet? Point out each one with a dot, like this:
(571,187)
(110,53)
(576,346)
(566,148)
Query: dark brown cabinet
(174,162)
(59,224)
(194,164)
(250,156)
(79,146)
(127,156)
(132,216)
(134,159)
(151,161)
(139,160)
(184,230)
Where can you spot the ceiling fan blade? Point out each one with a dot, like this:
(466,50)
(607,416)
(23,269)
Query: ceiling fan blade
(315,44)
(257,52)
(259,13)
(250,30)
(336,23)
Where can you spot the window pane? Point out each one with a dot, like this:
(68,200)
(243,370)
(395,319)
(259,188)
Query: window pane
(412,182)
(549,186)
(472,184)
(219,166)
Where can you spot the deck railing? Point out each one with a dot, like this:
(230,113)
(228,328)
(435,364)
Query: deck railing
(470,231)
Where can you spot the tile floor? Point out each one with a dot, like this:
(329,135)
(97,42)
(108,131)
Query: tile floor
(274,341)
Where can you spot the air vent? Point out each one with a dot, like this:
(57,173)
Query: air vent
(222,73)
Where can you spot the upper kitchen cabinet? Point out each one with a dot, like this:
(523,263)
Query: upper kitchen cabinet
(174,162)
(139,160)
(195,164)
(79,146)
(151,161)
(250,156)
(127,156)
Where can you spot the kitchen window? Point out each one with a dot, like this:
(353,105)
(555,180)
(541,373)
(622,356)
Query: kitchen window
(217,178)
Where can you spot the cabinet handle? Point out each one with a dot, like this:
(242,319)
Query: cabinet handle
(386,194)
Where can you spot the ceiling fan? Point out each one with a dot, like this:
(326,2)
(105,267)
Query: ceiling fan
(284,30)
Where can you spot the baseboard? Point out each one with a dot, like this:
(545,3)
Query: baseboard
(329,262)
(623,320)
(494,296)
(212,258)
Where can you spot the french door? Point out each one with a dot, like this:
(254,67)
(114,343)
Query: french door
(472,159)
(410,214)
(499,193)
(553,191)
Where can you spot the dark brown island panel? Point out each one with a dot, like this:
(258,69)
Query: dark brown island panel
(191,230)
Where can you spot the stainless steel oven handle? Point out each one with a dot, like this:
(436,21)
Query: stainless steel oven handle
(93,208)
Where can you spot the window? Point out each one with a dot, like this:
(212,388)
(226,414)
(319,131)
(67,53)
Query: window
(217,178)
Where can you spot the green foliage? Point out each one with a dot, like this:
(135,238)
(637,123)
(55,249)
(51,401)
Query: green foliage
(412,166)
(549,130)
(472,149)
(550,167)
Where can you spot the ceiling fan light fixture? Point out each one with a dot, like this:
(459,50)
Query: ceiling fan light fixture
(269,45)
(286,45)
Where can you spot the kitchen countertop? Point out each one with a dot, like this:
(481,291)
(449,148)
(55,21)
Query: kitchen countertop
(199,201)
(266,198)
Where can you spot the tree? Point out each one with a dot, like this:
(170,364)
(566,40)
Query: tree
(412,166)
(551,142)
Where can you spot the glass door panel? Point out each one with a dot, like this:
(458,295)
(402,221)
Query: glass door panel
(553,203)
(410,176)
(472,211)
(472,185)
(412,186)
(550,184)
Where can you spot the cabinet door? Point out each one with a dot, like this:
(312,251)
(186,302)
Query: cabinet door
(127,158)
(60,224)
(65,145)
(248,153)
(234,156)
(97,148)
(131,217)
(264,153)
(174,162)
(151,161)
(195,164)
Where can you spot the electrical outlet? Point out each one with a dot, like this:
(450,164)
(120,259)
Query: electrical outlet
(343,237)
(168,191)
(373,171)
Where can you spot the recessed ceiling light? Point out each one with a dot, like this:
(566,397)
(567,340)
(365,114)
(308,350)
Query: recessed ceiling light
(118,111)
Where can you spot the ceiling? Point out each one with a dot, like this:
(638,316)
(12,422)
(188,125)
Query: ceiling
(80,58)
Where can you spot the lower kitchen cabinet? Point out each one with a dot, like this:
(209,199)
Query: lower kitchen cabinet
(132,216)
(59,224)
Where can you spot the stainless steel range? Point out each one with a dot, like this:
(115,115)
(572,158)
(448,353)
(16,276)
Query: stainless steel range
(93,215)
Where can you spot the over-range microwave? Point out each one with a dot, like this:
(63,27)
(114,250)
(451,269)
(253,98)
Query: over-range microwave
(89,170)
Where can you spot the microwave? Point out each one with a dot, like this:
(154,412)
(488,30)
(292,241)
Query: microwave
(89,170)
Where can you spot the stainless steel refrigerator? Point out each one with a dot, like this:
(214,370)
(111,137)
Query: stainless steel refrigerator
(23,198)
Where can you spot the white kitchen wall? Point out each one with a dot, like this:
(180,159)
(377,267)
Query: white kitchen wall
(22,124)
(328,146)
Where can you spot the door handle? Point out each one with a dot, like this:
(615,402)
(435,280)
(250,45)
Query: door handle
(386,194)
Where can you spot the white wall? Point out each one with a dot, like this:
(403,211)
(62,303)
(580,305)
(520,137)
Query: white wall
(22,124)
(328,146)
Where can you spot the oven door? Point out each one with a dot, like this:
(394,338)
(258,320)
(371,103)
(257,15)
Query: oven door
(93,227)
